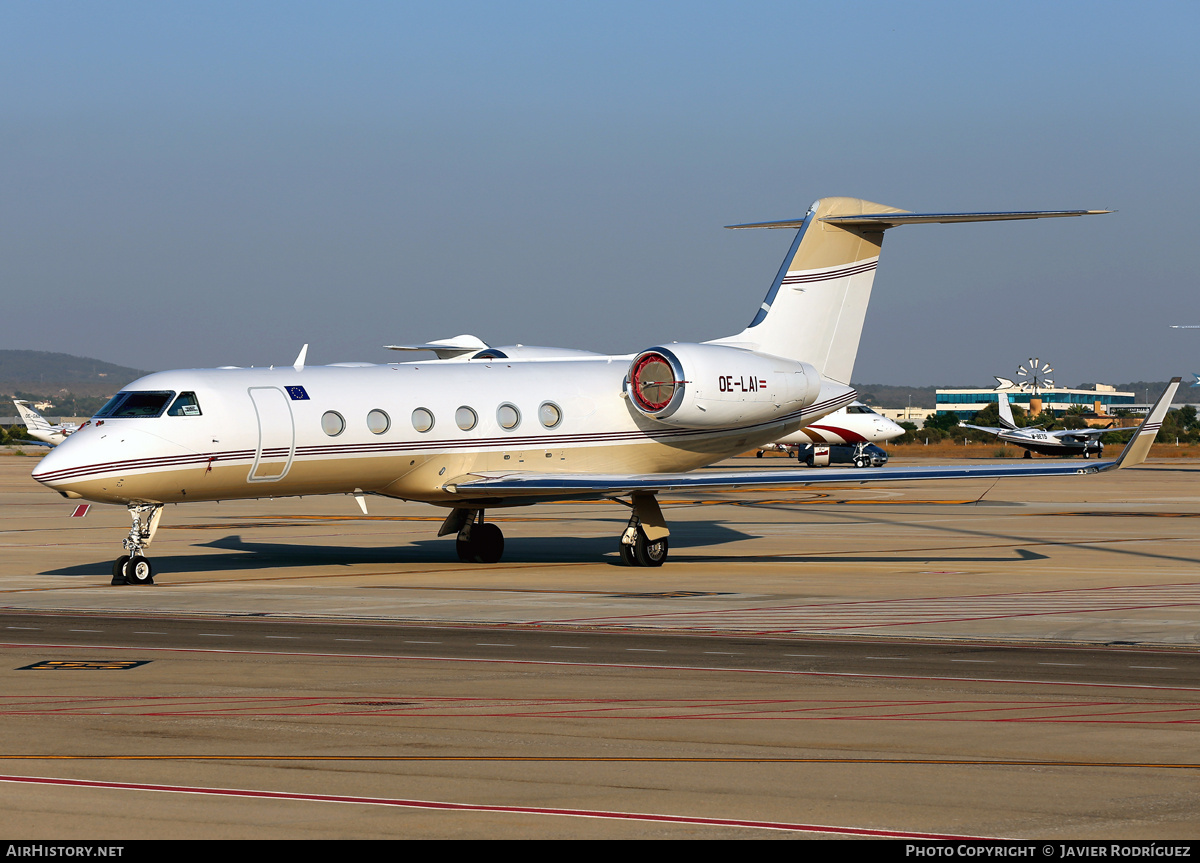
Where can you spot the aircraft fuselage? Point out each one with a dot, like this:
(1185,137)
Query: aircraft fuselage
(403,430)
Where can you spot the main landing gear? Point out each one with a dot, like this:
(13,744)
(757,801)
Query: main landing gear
(478,541)
(643,543)
(133,568)
(645,540)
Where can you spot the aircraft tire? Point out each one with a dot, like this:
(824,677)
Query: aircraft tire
(485,546)
(627,556)
(118,569)
(138,571)
(758,454)
(1028,454)
(648,553)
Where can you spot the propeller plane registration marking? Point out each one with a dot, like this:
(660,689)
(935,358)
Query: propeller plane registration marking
(483,427)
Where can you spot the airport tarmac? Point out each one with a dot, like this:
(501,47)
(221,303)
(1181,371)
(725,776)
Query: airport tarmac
(1012,658)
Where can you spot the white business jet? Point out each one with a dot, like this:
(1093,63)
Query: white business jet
(1062,442)
(494,431)
(41,428)
(852,430)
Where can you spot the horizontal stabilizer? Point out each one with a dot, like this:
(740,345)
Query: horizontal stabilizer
(883,221)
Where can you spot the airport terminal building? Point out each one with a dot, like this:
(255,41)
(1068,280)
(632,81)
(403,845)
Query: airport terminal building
(1101,398)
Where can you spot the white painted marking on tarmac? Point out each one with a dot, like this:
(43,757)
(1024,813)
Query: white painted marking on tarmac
(1155,667)
(38,628)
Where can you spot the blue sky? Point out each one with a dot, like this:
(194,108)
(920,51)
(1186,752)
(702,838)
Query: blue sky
(218,183)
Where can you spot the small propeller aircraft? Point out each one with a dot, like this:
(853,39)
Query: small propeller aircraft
(41,428)
(512,427)
(1063,442)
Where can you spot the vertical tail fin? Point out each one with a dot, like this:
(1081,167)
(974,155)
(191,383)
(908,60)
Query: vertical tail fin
(34,421)
(1006,414)
(816,306)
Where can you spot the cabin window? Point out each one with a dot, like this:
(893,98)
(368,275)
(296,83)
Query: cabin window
(465,418)
(333,423)
(508,416)
(134,404)
(378,421)
(185,406)
(422,419)
(550,414)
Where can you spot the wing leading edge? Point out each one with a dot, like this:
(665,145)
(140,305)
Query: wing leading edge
(528,487)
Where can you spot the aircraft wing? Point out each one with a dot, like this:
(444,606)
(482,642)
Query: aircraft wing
(1089,432)
(983,428)
(551,486)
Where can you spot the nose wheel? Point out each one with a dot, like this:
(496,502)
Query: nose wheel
(134,568)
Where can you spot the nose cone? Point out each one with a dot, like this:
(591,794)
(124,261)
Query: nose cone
(888,429)
(113,463)
(57,465)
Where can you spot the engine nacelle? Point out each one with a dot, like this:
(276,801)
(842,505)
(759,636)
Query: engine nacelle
(713,386)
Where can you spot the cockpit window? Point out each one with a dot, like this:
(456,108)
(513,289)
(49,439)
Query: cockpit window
(859,409)
(185,406)
(132,404)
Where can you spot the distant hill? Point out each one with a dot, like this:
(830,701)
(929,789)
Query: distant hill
(50,374)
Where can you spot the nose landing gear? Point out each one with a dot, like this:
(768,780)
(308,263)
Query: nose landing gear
(133,568)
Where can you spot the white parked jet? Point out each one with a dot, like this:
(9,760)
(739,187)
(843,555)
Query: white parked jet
(498,431)
(40,427)
(854,427)
(1063,442)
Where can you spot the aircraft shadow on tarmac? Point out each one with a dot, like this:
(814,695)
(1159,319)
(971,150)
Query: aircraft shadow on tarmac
(235,553)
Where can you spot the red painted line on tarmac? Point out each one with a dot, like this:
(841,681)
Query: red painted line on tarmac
(473,807)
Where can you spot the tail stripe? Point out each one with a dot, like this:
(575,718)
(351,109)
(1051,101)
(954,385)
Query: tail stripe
(806,277)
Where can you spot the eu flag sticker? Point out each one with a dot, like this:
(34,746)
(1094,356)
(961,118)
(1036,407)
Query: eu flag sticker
(297,393)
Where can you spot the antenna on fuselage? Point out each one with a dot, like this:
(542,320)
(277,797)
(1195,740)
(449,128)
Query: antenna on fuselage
(299,364)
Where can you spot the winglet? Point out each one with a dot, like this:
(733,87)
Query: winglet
(1139,445)
(299,364)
